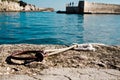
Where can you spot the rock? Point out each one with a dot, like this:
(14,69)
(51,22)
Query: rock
(9,6)
(21,6)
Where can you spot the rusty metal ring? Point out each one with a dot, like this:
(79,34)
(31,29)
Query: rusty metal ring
(39,55)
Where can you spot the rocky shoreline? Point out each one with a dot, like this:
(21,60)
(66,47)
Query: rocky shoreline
(104,63)
(9,6)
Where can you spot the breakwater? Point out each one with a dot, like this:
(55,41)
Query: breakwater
(93,8)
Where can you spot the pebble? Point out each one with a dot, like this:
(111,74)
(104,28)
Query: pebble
(34,74)
(8,68)
(6,73)
(1,73)
(84,57)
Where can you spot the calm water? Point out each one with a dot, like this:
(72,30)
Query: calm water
(52,28)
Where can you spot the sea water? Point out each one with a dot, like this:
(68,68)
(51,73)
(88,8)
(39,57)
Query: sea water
(53,28)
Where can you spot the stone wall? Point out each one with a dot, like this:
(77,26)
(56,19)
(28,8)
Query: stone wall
(97,8)
(101,8)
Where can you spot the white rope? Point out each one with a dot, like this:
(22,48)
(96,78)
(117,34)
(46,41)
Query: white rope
(61,50)
(75,46)
(85,47)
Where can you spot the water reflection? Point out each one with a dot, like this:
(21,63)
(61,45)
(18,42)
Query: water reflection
(12,14)
(102,29)
(70,28)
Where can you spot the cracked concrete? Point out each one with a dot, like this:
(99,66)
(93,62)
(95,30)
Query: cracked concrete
(69,74)
(84,74)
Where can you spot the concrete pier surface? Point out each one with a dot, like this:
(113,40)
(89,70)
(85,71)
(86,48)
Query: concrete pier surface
(101,64)
(68,74)
(85,7)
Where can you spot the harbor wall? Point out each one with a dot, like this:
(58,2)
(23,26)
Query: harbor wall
(94,8)
(101,8)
